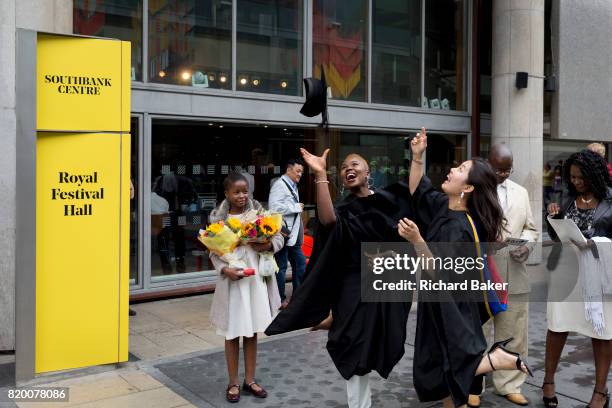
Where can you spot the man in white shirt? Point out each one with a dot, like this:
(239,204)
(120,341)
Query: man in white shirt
(284,199)
(510,262)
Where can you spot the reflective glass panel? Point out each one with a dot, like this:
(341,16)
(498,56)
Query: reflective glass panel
(485,55)
(190,42)
(120,19)
(396,52)
(190,160)
(446,62)
(134,213)
(269,48)
(339,46)
(444,152)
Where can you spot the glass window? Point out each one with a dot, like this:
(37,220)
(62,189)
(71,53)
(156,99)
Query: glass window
(443,153)
(190,42)
(485,145)
(190,161)
(445,54)
(485,55)
(134,214)
(339,46)
(269,48)
(386,155)
(120,19)
(396,52)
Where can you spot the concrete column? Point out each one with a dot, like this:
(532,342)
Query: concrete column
(7,175)
(53,16)
(581,104)
(518,114)
(50,16)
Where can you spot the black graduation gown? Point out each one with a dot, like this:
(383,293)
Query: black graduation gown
(363,336)
(449,341)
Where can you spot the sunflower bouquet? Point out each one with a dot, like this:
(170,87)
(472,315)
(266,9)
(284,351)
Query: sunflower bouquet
(261,228)
(221,237)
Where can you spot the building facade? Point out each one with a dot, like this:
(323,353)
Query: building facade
(217,87)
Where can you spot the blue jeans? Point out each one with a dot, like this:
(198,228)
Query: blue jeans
(298,266)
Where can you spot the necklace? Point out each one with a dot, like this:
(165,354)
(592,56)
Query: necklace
(586,201)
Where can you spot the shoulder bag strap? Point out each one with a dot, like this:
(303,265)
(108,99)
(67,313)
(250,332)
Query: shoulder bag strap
(294,197)
(479,253)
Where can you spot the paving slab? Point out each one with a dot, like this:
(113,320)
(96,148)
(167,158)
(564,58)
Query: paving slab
(297,371)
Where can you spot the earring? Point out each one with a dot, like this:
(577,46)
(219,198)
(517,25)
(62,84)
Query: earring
(462,194)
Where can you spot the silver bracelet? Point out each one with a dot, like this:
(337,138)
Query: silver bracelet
(321,181)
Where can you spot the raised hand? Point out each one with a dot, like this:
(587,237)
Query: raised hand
(408,230)
(318,164)
(553,209)
(418,145)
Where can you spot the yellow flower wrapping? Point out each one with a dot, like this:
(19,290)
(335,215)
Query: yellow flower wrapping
(223,242)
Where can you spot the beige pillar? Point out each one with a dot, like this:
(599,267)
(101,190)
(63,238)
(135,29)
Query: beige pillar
(518,114)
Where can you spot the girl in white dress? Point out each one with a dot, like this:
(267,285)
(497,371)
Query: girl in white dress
(242,305)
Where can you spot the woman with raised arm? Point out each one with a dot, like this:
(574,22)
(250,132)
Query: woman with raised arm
(450,344)
(362,336)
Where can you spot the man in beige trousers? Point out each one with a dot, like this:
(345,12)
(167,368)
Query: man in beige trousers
(510,263)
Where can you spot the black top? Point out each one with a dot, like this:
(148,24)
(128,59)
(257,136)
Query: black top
(600,224)
(602,217)
(363,336)
(583,217)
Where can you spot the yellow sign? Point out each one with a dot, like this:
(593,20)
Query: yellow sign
(82,84)
(81,299)
(82,202)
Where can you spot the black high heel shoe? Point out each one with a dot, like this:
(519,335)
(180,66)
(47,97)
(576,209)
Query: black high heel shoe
(605,394)
(501,345)
(549,402)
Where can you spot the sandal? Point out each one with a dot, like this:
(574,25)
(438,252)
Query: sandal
(605,394)
(232,397)
(519,362)
(549,402)
(261,393)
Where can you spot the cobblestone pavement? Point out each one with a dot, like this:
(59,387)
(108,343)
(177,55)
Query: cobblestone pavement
(298,372)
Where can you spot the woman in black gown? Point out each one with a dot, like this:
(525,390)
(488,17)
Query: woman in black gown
(362,336)
(450,344)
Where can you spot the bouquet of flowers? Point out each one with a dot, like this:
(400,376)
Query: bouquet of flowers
(260,227)
(221,237)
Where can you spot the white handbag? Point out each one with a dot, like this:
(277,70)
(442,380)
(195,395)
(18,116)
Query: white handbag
(267,264)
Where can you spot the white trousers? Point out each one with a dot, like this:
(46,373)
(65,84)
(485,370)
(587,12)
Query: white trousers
(358,391)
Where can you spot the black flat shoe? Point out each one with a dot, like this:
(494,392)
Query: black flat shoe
(231,397)
(261,393)
(549,402)
(605,394)
(519,362)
